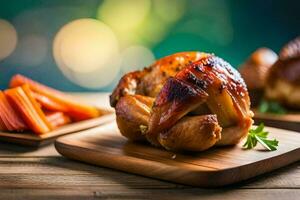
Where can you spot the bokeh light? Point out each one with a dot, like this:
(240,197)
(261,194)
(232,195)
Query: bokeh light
(99,78)
(87,52)
(31,51)
(142,22)
(124,15)
(136,57)
(8,39)
(169,10)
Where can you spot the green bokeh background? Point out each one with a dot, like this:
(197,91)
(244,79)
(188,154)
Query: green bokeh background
(249,24)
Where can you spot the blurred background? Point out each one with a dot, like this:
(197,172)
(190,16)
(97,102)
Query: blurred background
(86,45)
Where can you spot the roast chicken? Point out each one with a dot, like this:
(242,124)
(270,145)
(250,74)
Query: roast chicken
(187,101)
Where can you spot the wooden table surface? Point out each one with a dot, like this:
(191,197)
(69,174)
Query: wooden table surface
(44,174)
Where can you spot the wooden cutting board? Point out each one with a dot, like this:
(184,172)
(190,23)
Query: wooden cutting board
(286,121)
(104,146)
(30,139)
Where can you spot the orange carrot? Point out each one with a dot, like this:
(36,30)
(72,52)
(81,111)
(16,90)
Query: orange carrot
(48,104)
(76,110)
(57,118)
(2,125)
(10,120)
(22,100)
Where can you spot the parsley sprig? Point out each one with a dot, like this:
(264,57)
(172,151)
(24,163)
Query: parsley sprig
(260,135)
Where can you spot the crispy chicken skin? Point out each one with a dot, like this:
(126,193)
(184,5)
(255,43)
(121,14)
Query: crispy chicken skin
(195,133)
(210,80)
(188,101)
(150,80)
(191,133)
(133,112)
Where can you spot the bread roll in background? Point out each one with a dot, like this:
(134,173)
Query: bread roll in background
(255,71)
(283,80)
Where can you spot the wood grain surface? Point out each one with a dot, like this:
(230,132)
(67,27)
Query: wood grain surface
(105,146)
(29,173)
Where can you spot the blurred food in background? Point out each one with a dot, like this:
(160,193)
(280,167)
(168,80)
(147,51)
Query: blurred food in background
(274,82)
(283,81)
(255,70)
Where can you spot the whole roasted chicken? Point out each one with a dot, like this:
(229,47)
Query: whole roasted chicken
(187,101)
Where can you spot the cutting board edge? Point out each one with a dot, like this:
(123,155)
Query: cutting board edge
(288,125)
(217,178)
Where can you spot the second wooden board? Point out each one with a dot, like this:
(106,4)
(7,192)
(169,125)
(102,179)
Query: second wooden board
(286,121)
(30,139)
(104,146)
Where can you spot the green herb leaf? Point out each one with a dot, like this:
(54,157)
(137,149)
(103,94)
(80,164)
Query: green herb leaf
(259,135)
(271,107)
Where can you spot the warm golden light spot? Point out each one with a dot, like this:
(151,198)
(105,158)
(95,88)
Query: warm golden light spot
(86,51)
(8,39)
(136,57)
(124,15)
(170,10)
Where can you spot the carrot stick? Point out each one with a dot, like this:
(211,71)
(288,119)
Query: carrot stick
(7,126)
(48,103)
(57,119)
(2,125)
(76,110)
(22,100)
(10,120)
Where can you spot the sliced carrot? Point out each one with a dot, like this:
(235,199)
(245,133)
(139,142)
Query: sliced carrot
(2,121)
(48,104)
(57,118)
(10,119)
(5,122)
(22,100)
(76,110)
(2,126)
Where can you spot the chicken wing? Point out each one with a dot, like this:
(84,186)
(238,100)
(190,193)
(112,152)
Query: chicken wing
(195,133)
(132,113)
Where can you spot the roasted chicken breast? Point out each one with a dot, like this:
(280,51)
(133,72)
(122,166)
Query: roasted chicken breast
(149,81)
(187,101)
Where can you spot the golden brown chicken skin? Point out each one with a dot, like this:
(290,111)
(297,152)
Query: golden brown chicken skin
(192,133)
(149,81)
(212,81)
(188,101)
(132,113)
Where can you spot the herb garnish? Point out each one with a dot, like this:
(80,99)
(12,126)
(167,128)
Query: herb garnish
(271,107)
(260,135)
